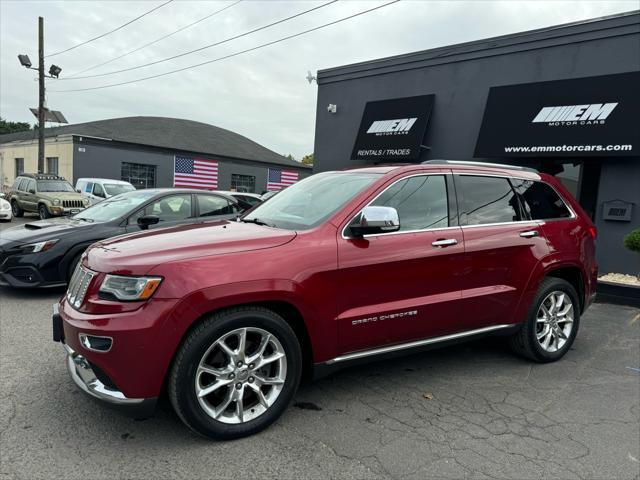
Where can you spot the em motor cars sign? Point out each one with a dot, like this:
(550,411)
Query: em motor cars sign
(592,116)
(393,130)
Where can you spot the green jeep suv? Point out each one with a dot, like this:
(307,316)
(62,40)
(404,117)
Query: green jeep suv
(46,195)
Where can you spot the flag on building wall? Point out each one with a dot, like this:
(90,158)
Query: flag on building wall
(193,172)
(278,179)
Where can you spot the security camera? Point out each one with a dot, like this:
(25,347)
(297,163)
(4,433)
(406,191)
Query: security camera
(332,108)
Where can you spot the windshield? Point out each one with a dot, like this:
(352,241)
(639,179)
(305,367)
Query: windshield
(115,207)
(114,189)
(54,186)
(311,201)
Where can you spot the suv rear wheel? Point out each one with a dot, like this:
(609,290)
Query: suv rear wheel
(235,373)
(43,212)
(16,210)
(552,322)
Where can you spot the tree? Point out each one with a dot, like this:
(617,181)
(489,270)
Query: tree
(13,127)
(308,160)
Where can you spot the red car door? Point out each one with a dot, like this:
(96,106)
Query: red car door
(402,286)
(502,249)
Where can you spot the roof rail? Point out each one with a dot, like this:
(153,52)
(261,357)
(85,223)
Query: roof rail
(479,164)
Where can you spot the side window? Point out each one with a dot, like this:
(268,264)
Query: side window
(540,201)
(23,184)
(98,191)
(212,205)
(88,187)
(168,209)
(31,185)
(421,202)
(488,200)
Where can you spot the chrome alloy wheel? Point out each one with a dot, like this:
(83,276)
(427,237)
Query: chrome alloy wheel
(241,375)
(554,321)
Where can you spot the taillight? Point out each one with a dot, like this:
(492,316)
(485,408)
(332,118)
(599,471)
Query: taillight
(593,231)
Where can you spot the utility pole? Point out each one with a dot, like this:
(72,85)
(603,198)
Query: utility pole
(41,95)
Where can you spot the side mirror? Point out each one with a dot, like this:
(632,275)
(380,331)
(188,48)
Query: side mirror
(78,190)
(145,221)
(32,191)
(376,220)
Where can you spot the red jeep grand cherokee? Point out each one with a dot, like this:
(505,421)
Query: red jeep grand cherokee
(341,267)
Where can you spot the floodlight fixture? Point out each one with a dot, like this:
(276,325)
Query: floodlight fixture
(54,71)
(24,61)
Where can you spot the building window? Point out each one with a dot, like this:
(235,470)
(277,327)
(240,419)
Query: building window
(19,166)
(52,165)
(138,175)
(243,183)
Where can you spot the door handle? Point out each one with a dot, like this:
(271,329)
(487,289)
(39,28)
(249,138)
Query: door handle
(445,243)
(530,233)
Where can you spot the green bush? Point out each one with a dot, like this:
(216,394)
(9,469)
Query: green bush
(632,240)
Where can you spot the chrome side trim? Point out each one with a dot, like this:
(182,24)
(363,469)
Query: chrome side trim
(418,343)
(84,377)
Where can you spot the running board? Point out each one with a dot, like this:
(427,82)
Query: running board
(418,343)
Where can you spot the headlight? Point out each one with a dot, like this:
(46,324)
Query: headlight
(56,201)
(38,247)
(85,201)
(130,288)
(5,206)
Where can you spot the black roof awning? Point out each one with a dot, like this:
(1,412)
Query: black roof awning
(582,117)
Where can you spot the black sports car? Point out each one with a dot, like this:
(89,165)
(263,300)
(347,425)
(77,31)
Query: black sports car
(44,253)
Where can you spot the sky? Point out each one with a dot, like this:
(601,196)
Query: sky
(262,94)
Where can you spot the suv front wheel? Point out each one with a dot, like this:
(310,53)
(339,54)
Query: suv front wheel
(43,212)
(235,373)
(16,210)
(552,322)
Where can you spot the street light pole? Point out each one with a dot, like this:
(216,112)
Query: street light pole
(41,95)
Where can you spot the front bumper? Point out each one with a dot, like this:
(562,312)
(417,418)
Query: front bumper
(83,375)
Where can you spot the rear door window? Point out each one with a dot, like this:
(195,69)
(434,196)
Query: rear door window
(213,205)
(540,201)
(487,200)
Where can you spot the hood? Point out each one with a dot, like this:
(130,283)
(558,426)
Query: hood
(41,230)
(61,195)
(139,252)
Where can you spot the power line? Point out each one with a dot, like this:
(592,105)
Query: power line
(154,41)
(205,47)
(230,55)
(111,31)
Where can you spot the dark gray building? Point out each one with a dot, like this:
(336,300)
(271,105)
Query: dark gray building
(143,151)
(563,99)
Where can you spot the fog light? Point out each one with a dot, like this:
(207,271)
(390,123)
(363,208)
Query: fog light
(97,344)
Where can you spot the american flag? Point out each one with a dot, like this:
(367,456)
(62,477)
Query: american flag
(195,173)
(279,179)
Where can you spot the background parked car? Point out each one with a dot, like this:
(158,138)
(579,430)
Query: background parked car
(97,189)
(266,196)
(44,194)
(5,210)
(45,253)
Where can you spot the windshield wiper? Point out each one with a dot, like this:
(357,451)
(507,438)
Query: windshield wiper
(83,219)
(256,221)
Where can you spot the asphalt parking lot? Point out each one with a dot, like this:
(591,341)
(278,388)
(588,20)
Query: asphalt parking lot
(472,411)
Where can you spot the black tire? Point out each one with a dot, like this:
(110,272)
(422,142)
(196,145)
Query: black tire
(182,376)
(43,212)
(17,211)
(525,342)
(72,266)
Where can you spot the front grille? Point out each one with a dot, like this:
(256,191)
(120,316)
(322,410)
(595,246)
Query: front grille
(78,285)
(72,204)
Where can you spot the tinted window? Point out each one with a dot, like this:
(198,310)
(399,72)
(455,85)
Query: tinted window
(171,209)
(250,200)
(421,202)
(98,191)
(488,200)
(88,187)
(540,201)
(211,205)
